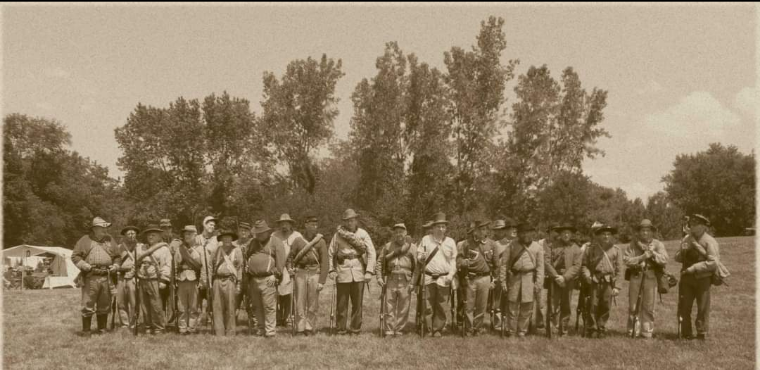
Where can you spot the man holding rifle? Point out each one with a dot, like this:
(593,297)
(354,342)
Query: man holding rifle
(308,264)
(438,254)
(602,265)
(562,267)
(352,261)
(394,270)
(187,259)
(264,266)
(475,257)
(521,272)
(125,288)
(504,232)
(244,244)
(209,244)
(97,256)
(154,273)
(645,260)
(169,295)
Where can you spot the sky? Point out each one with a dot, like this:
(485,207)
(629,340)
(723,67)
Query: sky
(678,76)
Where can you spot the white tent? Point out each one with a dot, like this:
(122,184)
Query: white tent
(64,271)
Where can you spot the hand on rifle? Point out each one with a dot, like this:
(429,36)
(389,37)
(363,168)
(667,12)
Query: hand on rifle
(648,253)
(162,285)
(492,285)
(367,276)
(615,292)
(320,286)
(113,268)
(560,281)
(380,281)
(332,274)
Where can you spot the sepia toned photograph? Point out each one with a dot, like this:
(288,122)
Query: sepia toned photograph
(379,185)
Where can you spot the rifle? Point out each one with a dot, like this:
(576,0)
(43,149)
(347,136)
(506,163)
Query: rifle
(490,304)
(137,295)
(383,309)
(678,311)
(463,286)
(332,307)
(209,292)
(173,294)
(549,308)
(579,308)
(293,306)
(113,302)
(637,308)
(245,296)
(453,297)
(422,301)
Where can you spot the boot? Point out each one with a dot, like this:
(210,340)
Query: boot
(86,322)
(102,322)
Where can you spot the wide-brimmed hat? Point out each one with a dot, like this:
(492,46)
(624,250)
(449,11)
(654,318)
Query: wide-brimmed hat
(152,228)
(399,226)
(244,225)
(165,222)
(562,227)
(596,225)
(510,223)
(645,223)
(260,226)
(286,218)
(99,222)
(209,218)
(130,227)
(427,224)
(189,228)
(224,232)
(311,218)
(604,228)
(439,218)
(349,214)
(525,227)
(477,224)
(699,219)
(499,225)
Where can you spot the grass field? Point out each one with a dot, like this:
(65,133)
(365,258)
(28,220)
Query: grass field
(40,331)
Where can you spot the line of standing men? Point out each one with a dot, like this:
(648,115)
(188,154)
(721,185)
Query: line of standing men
(279,269)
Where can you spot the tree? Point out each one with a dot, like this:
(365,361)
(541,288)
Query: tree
(377,136)
(664,215)
(476,80)
(718,183)
(50,193)
(299,111)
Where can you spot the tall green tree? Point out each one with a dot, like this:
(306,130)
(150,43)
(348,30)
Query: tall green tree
(50,193)
(664,215)
(476,80)
(718,183)
(299,111)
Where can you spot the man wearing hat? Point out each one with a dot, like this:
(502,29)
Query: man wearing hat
(395,268)
(227,279)
(154,272)
(562,265)
(352,261)
(594,227)
(97,256)
(309,265)
(168,295)
(699,255)
(187,259)
(264,266)
(601,268)
(208,242)
(545,243)
(475,258)
(244,243)
(645,259)
(290,238)
(504,232)
(437,261)
(125,288)
(520,273)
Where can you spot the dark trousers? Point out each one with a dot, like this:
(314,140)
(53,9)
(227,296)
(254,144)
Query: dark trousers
(437,297)
(355,291)
(600,301)
(283,309)
(690,290)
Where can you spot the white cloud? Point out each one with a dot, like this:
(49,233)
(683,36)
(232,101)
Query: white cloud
(746,102)
(697,114)
(57,72)
(652,87)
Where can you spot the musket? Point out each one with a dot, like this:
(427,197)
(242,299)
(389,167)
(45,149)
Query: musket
(453,297)
(113,302)
(549,297)
(173,294)
(579,308)
(490,303)
(383,301)
(209,292)
(293,306)
(463,286)
(332,307)
(637,308)
(678,312)
(137,295)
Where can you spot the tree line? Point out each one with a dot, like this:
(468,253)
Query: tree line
(421,140)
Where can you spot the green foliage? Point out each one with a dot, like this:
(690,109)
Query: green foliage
(718,183)
(50,194)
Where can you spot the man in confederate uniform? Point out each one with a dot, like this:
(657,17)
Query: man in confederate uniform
(395,268)
(521,274)
(308,264)
(97,256)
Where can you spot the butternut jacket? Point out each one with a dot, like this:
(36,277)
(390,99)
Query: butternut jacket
(267,258)
(480,259)
(399,259)
(522,273)
(347,262)
(699,257)
(127,268)
(155,266)
(634,256)
(596,267)
(315,257)
(105,254)
(567,262)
